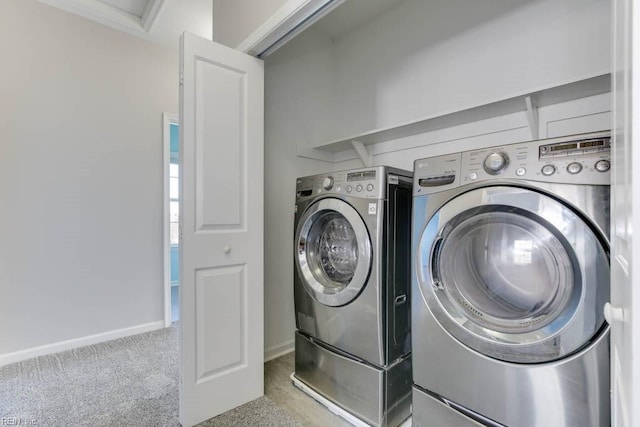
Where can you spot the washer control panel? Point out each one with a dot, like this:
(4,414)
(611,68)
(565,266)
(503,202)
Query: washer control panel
(366,183)
(496,162)
(579,159)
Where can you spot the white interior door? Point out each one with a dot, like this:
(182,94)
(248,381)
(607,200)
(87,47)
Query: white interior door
(625,251)
(221,272)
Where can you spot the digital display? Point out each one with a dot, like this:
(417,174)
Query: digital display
(596,143)
(361,176)
(564,147)
(585,146)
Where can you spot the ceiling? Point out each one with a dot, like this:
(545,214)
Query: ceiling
(158,21)
(162,21)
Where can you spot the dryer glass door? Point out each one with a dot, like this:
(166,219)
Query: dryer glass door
(333,252)
(508,268)
(514,274)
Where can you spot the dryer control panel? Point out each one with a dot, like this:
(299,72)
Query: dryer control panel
(579,159)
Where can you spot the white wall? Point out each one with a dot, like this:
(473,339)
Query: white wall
(420,59)
(295,74)
(235,20)
(429,58)
(80,176)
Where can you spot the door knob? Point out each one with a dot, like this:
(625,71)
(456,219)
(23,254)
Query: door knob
(613,314)
(227,249)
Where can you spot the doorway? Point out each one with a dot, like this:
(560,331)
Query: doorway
(171,229)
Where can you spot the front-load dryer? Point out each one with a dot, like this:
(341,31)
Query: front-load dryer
(351,285)
(510,276)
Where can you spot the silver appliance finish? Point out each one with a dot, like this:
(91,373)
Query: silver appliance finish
(380,397)
(434,412)
(357,297)
(352,290)
(510,275)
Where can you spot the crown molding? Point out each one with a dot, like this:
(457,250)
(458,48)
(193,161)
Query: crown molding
(111,16)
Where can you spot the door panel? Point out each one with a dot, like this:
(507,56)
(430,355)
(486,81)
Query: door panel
(220,116)
(221,293)
(625,376)
(220,300)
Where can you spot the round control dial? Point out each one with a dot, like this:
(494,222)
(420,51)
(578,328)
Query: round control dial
(496,162)
(327,183)
(603,165)
(548,170)
(574,168)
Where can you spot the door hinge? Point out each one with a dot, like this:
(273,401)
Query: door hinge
(181,77)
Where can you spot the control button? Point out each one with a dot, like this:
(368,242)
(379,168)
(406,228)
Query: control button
(338,189)
(327,183)
(603,165)
(349,189)
(370,187)
(359,188)
(495,163)
(521,171)
(574,168)
(548,170)
(473,176)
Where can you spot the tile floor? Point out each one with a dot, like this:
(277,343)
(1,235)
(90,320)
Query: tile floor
(279,388)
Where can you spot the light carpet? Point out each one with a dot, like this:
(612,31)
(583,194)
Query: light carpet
(131,381)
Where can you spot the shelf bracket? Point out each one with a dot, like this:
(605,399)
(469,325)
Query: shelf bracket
(365,156)
(532,117)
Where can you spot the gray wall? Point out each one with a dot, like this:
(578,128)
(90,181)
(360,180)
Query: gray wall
(80,176)
(235,20)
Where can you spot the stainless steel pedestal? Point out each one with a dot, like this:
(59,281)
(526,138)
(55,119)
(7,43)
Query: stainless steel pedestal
(379,396)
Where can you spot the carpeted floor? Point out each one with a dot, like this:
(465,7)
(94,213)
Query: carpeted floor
(131,381)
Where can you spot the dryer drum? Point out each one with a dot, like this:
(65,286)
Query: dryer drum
(510,272)
(518,276)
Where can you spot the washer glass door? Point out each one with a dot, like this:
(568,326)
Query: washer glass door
(333,252)
(514,274)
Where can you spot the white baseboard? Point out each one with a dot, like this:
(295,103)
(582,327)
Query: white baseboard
(30,353)
(279,350)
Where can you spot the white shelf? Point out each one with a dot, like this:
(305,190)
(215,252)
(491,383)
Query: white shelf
(526,103)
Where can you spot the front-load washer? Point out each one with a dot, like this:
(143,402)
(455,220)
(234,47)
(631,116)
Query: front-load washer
(510,275)
(351,285)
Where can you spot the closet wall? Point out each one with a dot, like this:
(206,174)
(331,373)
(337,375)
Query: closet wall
(294,74)
(419,60)
(429,58)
